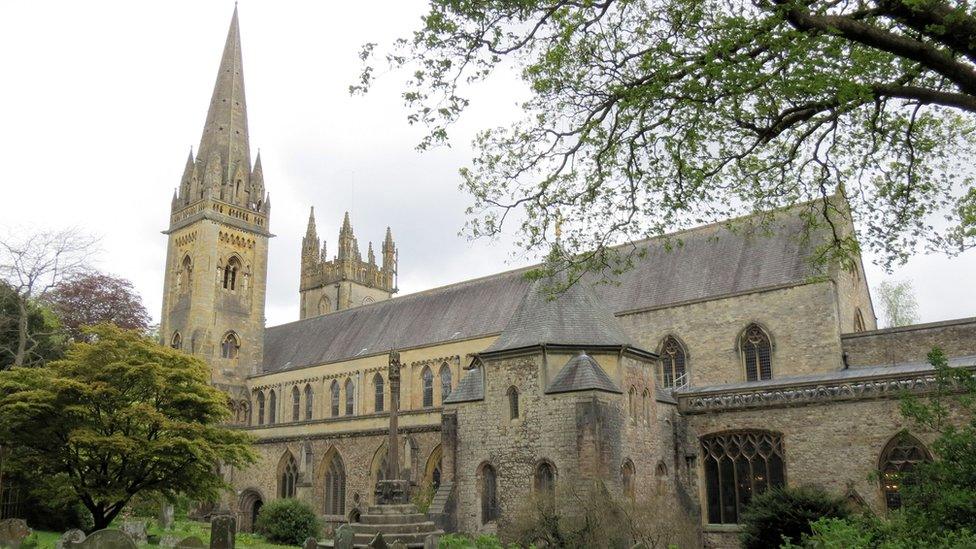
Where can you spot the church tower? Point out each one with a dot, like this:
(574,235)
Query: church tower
(217,255)
(347,280)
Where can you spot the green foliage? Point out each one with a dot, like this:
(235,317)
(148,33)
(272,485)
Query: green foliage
(287,521)
(646,116)
(898,304)
(781,514)
(116,417)
(461,541)
(869,532)
(423,497)
(43,328)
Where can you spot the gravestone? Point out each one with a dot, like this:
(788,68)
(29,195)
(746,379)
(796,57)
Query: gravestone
(135,529)
(191,542)
(13,532)
(343,537)
(69,539)
(310,543)
(223,529)
(169,540)
(166,516)
(431,541)
(398,545)
(378,542)
(108,539)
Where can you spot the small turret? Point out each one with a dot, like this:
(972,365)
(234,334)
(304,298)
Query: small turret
(310,244)
(370,256)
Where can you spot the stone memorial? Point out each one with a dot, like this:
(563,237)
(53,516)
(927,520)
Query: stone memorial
(310,543)
(343,537)
(135,529)
(223,530)
(378,542)
(166,516)
(108,539)
(70,539)
(191,542)
(169,540)
(13,532)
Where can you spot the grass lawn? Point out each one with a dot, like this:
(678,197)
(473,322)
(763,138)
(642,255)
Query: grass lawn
(181,529)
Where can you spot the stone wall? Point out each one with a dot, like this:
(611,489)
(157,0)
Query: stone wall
(910,343)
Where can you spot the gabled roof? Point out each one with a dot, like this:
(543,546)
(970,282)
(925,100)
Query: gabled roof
(573,317)
(703,263)
(471,388)
(582,373)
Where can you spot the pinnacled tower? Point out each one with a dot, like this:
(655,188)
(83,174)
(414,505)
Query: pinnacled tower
(216,262)
(346,280)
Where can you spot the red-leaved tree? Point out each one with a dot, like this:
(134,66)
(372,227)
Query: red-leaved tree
(90,298)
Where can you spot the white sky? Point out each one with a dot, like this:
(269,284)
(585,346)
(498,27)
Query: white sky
(100,102)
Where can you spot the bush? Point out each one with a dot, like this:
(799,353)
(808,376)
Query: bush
(869,532)
(460,541)
(785,514)
(287,521)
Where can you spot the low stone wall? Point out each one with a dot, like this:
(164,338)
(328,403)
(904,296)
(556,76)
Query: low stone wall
(909,343)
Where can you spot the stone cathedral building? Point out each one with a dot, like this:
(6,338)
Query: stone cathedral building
(711,371)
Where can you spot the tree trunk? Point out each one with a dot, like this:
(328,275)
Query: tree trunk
(22,322)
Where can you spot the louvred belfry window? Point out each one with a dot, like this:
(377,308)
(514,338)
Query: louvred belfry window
(757,354)
(737,466)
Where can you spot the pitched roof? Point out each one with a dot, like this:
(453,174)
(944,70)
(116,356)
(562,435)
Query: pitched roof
(703,263)
(470,388)
(581,373)
(573,317)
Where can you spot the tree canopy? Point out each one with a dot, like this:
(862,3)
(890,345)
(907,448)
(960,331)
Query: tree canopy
(119,416)
(648,116)
(43,336)
(90,298)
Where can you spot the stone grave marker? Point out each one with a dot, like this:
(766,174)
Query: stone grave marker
(310,543)
(343,537)
(69,539)
(191,542)
(166,516)
(13,532)
(223,530)
(135,529)
(168,540)
(398,545)
(378,542)
(108,539)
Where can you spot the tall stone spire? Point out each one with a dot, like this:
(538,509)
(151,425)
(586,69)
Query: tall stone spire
(389,252)
(225,131)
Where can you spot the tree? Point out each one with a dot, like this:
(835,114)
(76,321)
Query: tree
(898,303)
(647,116)
(43,330)
(90,298)
(119,416)
(32,265)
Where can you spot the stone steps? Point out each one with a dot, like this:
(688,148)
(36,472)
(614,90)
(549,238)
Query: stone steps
(392,519)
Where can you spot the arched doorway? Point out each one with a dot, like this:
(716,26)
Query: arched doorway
(432,472)
(250,505)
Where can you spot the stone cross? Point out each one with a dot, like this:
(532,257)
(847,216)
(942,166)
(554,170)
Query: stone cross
(392,456)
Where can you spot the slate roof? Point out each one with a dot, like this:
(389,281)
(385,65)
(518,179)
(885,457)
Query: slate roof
(572,317)
(470,388)
(581,373)
(705,263)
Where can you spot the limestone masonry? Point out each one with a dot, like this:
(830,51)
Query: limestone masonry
(726,361)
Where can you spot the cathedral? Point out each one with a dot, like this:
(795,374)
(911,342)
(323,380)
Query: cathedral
(709,371)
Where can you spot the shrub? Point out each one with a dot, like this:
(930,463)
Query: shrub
(287,521)
(460,541)
(785,514)
(423,497)
(870,532)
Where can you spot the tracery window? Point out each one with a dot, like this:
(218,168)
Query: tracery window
(177,341)
(627,475)
(289,478)
(272,407)
(230,273)
(260,408)
(350,396)
(545,479)
(445,376)
(513,403)
(296,404)
(757,353)
(309,401)
(489,494)
(673,361)
(335,486)
(334,389)
(378,393)
(428,380)
(739,465)
(899,457)
(230,346)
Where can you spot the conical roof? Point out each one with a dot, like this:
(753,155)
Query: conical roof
(582,373)
(573,317)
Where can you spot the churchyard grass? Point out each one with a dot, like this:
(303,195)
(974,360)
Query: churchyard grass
(181,529)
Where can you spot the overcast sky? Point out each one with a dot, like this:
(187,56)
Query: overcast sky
(100,102)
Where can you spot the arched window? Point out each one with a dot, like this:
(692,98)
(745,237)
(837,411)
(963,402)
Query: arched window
(260,408)
(737,466)
(289,478)
(513,403)
(177,341)
(325,305)
(899,457)
(334,389)
(627,475)
(378,393)
(489,494)
(445,376)
(309,401)
(272,407)
(757,353)
(858,321)
(646,405)
(545,479)
(350,396)
(335,486)
(296,404)
(231,272)
(672,363)
(632,401)
(230,346)
(428,379)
